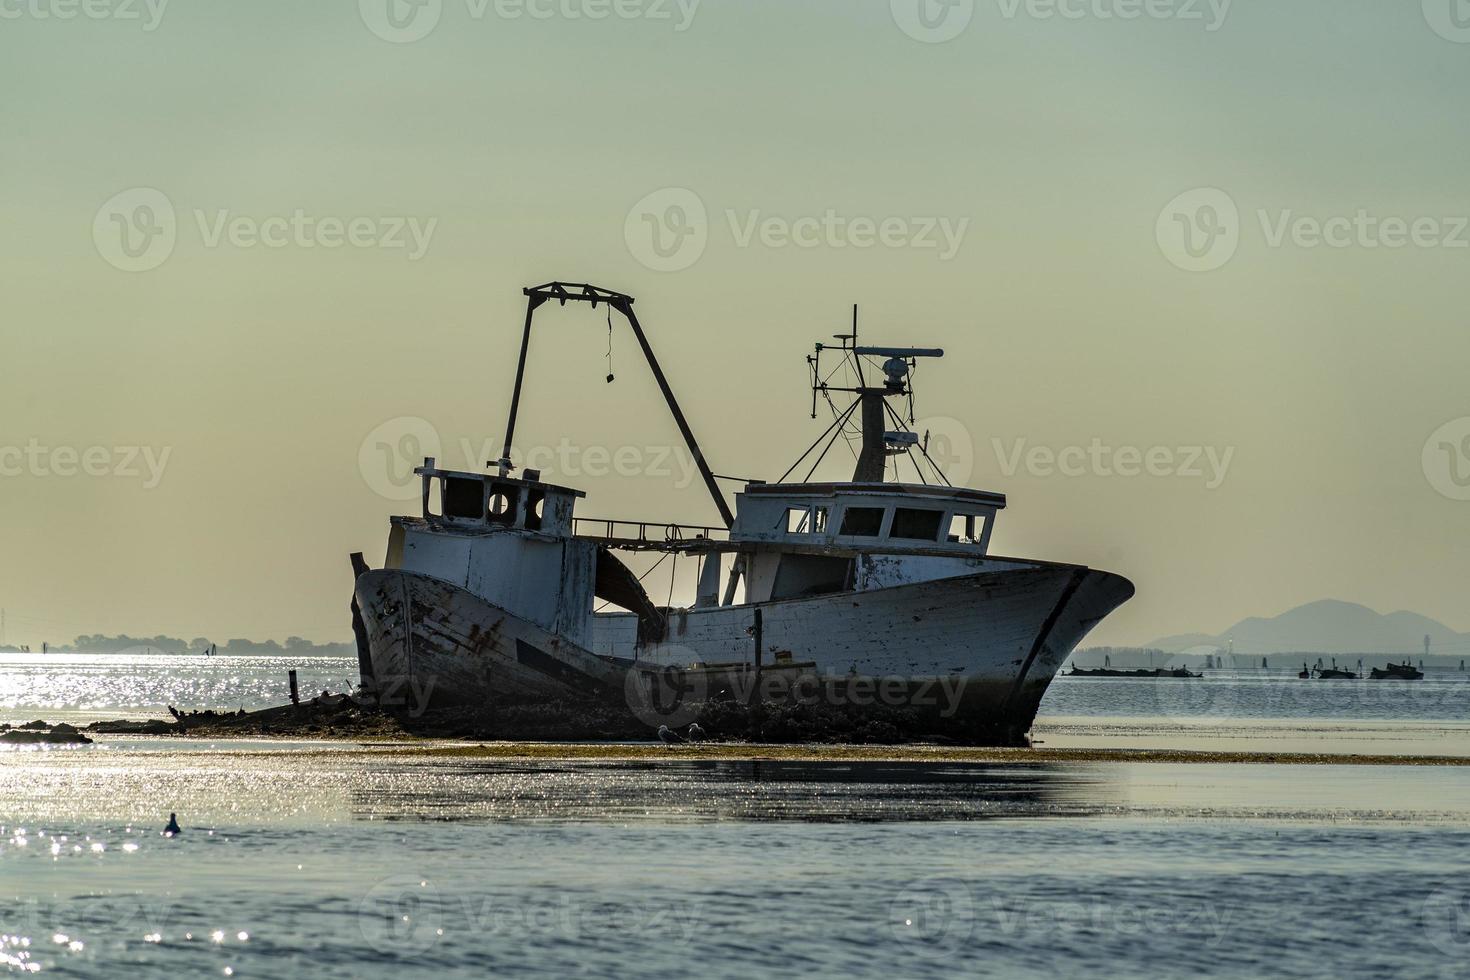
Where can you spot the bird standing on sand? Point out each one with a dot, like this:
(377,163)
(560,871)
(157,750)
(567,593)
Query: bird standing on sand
(695,732)
(172,830)
(668,737)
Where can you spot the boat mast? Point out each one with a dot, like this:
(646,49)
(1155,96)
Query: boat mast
(563,293)
(878,442)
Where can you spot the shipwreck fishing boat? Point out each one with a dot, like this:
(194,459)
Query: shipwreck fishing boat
(869,589)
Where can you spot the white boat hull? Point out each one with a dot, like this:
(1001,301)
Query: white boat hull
(969,656)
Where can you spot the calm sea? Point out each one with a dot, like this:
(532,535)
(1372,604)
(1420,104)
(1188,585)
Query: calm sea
(302,859)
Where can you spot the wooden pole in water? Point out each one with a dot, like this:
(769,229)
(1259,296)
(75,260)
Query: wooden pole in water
(295,697)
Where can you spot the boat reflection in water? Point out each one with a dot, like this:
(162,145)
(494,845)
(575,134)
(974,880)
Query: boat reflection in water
(759,790)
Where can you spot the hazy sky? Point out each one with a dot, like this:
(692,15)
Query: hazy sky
(242,237)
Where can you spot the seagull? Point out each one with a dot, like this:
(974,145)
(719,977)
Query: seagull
(695,732)
(668,737)
(172,830)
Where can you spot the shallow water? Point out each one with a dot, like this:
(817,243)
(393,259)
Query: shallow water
(336,863)
(82,686)
(318,859)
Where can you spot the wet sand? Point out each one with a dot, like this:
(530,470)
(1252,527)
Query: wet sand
(912,753)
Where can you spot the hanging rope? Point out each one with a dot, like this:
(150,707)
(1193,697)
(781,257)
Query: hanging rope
(610,374)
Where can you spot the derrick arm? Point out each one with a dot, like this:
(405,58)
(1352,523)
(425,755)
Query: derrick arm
(564,293)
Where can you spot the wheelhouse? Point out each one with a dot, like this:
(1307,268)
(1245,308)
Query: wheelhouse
(887,517)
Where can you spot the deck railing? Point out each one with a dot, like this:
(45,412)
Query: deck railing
(645,532)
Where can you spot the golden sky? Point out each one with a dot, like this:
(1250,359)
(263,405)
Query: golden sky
(1199,269)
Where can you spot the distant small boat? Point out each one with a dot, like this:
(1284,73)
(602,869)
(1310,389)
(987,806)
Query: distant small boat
(1114,672)
(1398,672)
(1335,674)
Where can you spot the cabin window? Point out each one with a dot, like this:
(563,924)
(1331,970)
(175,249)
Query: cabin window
(862,522)
(463,498)
(535,504)
(502,506)
(967,528)
(806,520)
(916,525)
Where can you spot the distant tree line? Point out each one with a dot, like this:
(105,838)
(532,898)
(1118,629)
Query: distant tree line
(294,646)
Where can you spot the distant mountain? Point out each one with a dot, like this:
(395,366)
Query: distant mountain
(1330,626)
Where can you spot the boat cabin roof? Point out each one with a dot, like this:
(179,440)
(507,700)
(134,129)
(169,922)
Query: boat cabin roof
(958,494)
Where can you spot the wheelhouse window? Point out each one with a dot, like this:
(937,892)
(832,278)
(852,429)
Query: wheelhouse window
(913,524)
(967,528)
(463,498)
(862,522)
(806,520)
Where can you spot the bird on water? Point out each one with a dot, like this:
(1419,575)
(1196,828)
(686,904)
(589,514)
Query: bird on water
(172,830)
